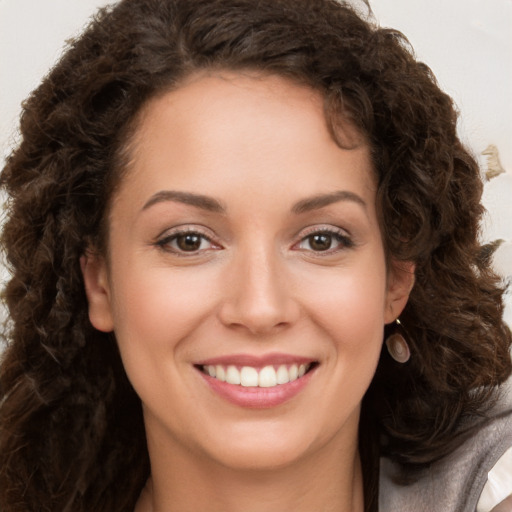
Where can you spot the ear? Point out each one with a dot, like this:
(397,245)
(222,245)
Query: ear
(400,283)
(94,272)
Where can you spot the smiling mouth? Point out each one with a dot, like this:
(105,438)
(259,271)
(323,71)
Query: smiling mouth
(266,377)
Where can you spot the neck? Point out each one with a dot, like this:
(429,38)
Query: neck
(326,482)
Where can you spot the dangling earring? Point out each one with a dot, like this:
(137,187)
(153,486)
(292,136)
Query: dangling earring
(397,346)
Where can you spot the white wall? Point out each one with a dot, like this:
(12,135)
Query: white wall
(32,36)
(467,43)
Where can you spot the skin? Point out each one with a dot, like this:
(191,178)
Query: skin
(259,146)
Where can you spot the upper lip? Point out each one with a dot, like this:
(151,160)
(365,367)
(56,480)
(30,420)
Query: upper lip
(255,360)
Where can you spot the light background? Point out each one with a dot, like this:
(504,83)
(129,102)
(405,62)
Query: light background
(467,43)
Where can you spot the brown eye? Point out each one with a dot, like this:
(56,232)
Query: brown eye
(328,241)
(186,242)
(320,242)
(189,242)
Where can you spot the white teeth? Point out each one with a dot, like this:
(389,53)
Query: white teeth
(294,372)
(283,376)
(249,376)
(232,375)
(267,377)
(220,373)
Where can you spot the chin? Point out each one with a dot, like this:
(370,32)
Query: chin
(269,447)
(261,457)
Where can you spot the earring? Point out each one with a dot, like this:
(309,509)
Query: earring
(397,346)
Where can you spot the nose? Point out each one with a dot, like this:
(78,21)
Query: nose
(258,295)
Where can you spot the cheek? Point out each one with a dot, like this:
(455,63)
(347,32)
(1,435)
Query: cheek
(155,318)
(348,312)
(350,304)
(355,323)
(158,308)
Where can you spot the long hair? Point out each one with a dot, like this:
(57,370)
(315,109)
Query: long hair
(71,428)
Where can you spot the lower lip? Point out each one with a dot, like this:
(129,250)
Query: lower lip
(256,397)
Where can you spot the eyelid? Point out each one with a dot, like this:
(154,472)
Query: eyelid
(323,228)
(344,235)
(166,236)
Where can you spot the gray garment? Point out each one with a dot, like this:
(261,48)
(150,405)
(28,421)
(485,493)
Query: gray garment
(453,484)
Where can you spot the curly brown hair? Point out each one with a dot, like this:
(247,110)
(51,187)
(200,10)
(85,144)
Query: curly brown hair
(71,428)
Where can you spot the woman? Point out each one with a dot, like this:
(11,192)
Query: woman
(216,216)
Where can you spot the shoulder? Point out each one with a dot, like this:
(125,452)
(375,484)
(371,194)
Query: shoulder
(456,482)
(498,488)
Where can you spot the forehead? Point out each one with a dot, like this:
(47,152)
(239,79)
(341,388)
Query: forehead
(245,129)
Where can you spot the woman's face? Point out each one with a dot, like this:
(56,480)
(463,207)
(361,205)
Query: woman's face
(245,243)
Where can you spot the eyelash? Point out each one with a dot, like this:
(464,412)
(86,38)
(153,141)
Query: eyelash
(165,242)
(335,234)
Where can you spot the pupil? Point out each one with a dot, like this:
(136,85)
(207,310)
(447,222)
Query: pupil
(189,242)
(320,242)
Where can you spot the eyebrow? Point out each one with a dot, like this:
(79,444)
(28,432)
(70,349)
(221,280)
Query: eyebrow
(213,205)
(199,201)
(322,200)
